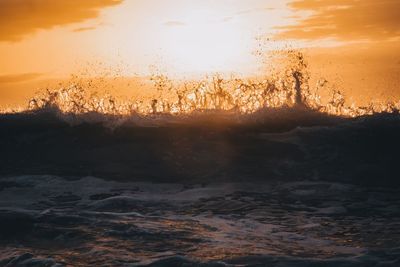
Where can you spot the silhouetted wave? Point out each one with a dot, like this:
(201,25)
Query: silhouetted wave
(288,143)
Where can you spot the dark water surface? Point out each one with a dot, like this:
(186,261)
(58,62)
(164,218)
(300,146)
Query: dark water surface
(51,221)
(312,190)
(299,146)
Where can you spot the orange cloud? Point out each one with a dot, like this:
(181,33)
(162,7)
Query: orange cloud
(84,29)
(21,17)
(345,20)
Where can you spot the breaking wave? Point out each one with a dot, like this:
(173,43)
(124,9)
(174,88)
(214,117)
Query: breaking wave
(277,128)
(233,99)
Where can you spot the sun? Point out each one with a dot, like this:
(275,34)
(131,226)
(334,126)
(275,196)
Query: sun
(189,38)
(202,45)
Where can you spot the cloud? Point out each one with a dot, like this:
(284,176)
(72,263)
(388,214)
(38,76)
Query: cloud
(19,18)
(174,24)
(345,20)
(16,78)
(84,29)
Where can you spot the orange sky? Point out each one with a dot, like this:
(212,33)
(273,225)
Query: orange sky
(355,43)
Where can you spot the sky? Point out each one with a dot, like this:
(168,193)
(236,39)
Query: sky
(355,43)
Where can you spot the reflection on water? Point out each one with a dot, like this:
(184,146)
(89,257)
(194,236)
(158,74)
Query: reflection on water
(95,222)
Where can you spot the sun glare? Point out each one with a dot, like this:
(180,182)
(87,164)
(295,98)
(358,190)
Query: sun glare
(185,39)
(202,46)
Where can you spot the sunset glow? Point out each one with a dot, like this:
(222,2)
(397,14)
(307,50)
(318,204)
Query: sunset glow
(199,133)
(187,39)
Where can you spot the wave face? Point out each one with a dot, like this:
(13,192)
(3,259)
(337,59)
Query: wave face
(287,144)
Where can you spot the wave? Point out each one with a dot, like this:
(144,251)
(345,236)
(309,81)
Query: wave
(232,97)
(285,145)
(274,129)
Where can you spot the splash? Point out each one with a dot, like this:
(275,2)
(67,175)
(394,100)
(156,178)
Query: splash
(288,88)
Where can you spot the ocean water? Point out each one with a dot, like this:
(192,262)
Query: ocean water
(223,174)
(274,145)
(53,221)
(309,189)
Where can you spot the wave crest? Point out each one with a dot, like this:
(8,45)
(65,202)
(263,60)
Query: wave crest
(286,89)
